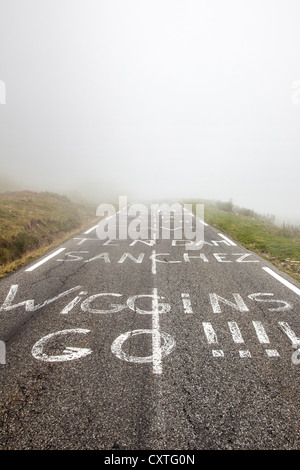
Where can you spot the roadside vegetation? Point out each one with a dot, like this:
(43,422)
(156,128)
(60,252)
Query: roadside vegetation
(31,223)
(278,244)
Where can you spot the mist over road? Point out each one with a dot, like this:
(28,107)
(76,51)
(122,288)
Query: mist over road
(145,344)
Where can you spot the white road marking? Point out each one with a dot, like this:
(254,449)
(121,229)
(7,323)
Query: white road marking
(244,353)
(235,332)
(116,347)
(221,257)
(153,262)
(282,280)
(129,255)
(209,333)
(156,338)
(237,338)
(259,297)
(171,229)
(146,242)
(272,352)
(227,239)
(289,332)
(104,256)
(242,256)
(187,257)
(72,304)
(261,332)
(187,306)
(69,353)
(109,242)
(156,335)
(44,260)
(215,300)
(200,220)
(82,241)
(29,304)
(90,230)
(85,306)
(70,257)
(217,353)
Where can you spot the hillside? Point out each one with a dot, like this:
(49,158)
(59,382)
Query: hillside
(278,244)
(31,223)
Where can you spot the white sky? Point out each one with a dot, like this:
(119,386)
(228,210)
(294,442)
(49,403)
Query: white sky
(154,99)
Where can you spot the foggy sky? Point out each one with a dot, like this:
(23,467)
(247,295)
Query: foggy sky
(154,99)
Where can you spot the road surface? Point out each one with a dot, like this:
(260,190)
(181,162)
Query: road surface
(144,344)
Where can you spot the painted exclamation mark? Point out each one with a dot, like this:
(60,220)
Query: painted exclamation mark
(289,332)
(237,338)
(187,306)
(212,338)
(263,338)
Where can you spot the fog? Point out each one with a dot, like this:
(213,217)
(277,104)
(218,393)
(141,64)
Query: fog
(153,100)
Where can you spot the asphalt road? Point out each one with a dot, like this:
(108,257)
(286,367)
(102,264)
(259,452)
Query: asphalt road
(149,345)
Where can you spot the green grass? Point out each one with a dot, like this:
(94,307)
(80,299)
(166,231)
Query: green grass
(31,223)
(278,244)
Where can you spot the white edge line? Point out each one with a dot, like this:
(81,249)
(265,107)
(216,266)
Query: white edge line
(44,260)
(227,239)
(90,230)
(282,280)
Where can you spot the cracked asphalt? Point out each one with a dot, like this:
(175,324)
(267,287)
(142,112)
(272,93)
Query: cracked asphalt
(131,345)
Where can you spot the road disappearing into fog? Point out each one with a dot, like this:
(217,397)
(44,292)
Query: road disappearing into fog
(144,344)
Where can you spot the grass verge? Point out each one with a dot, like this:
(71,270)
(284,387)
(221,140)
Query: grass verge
(32,223)
(278,244)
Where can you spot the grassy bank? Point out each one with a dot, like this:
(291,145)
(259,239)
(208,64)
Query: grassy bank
(278,244)
(31,223)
